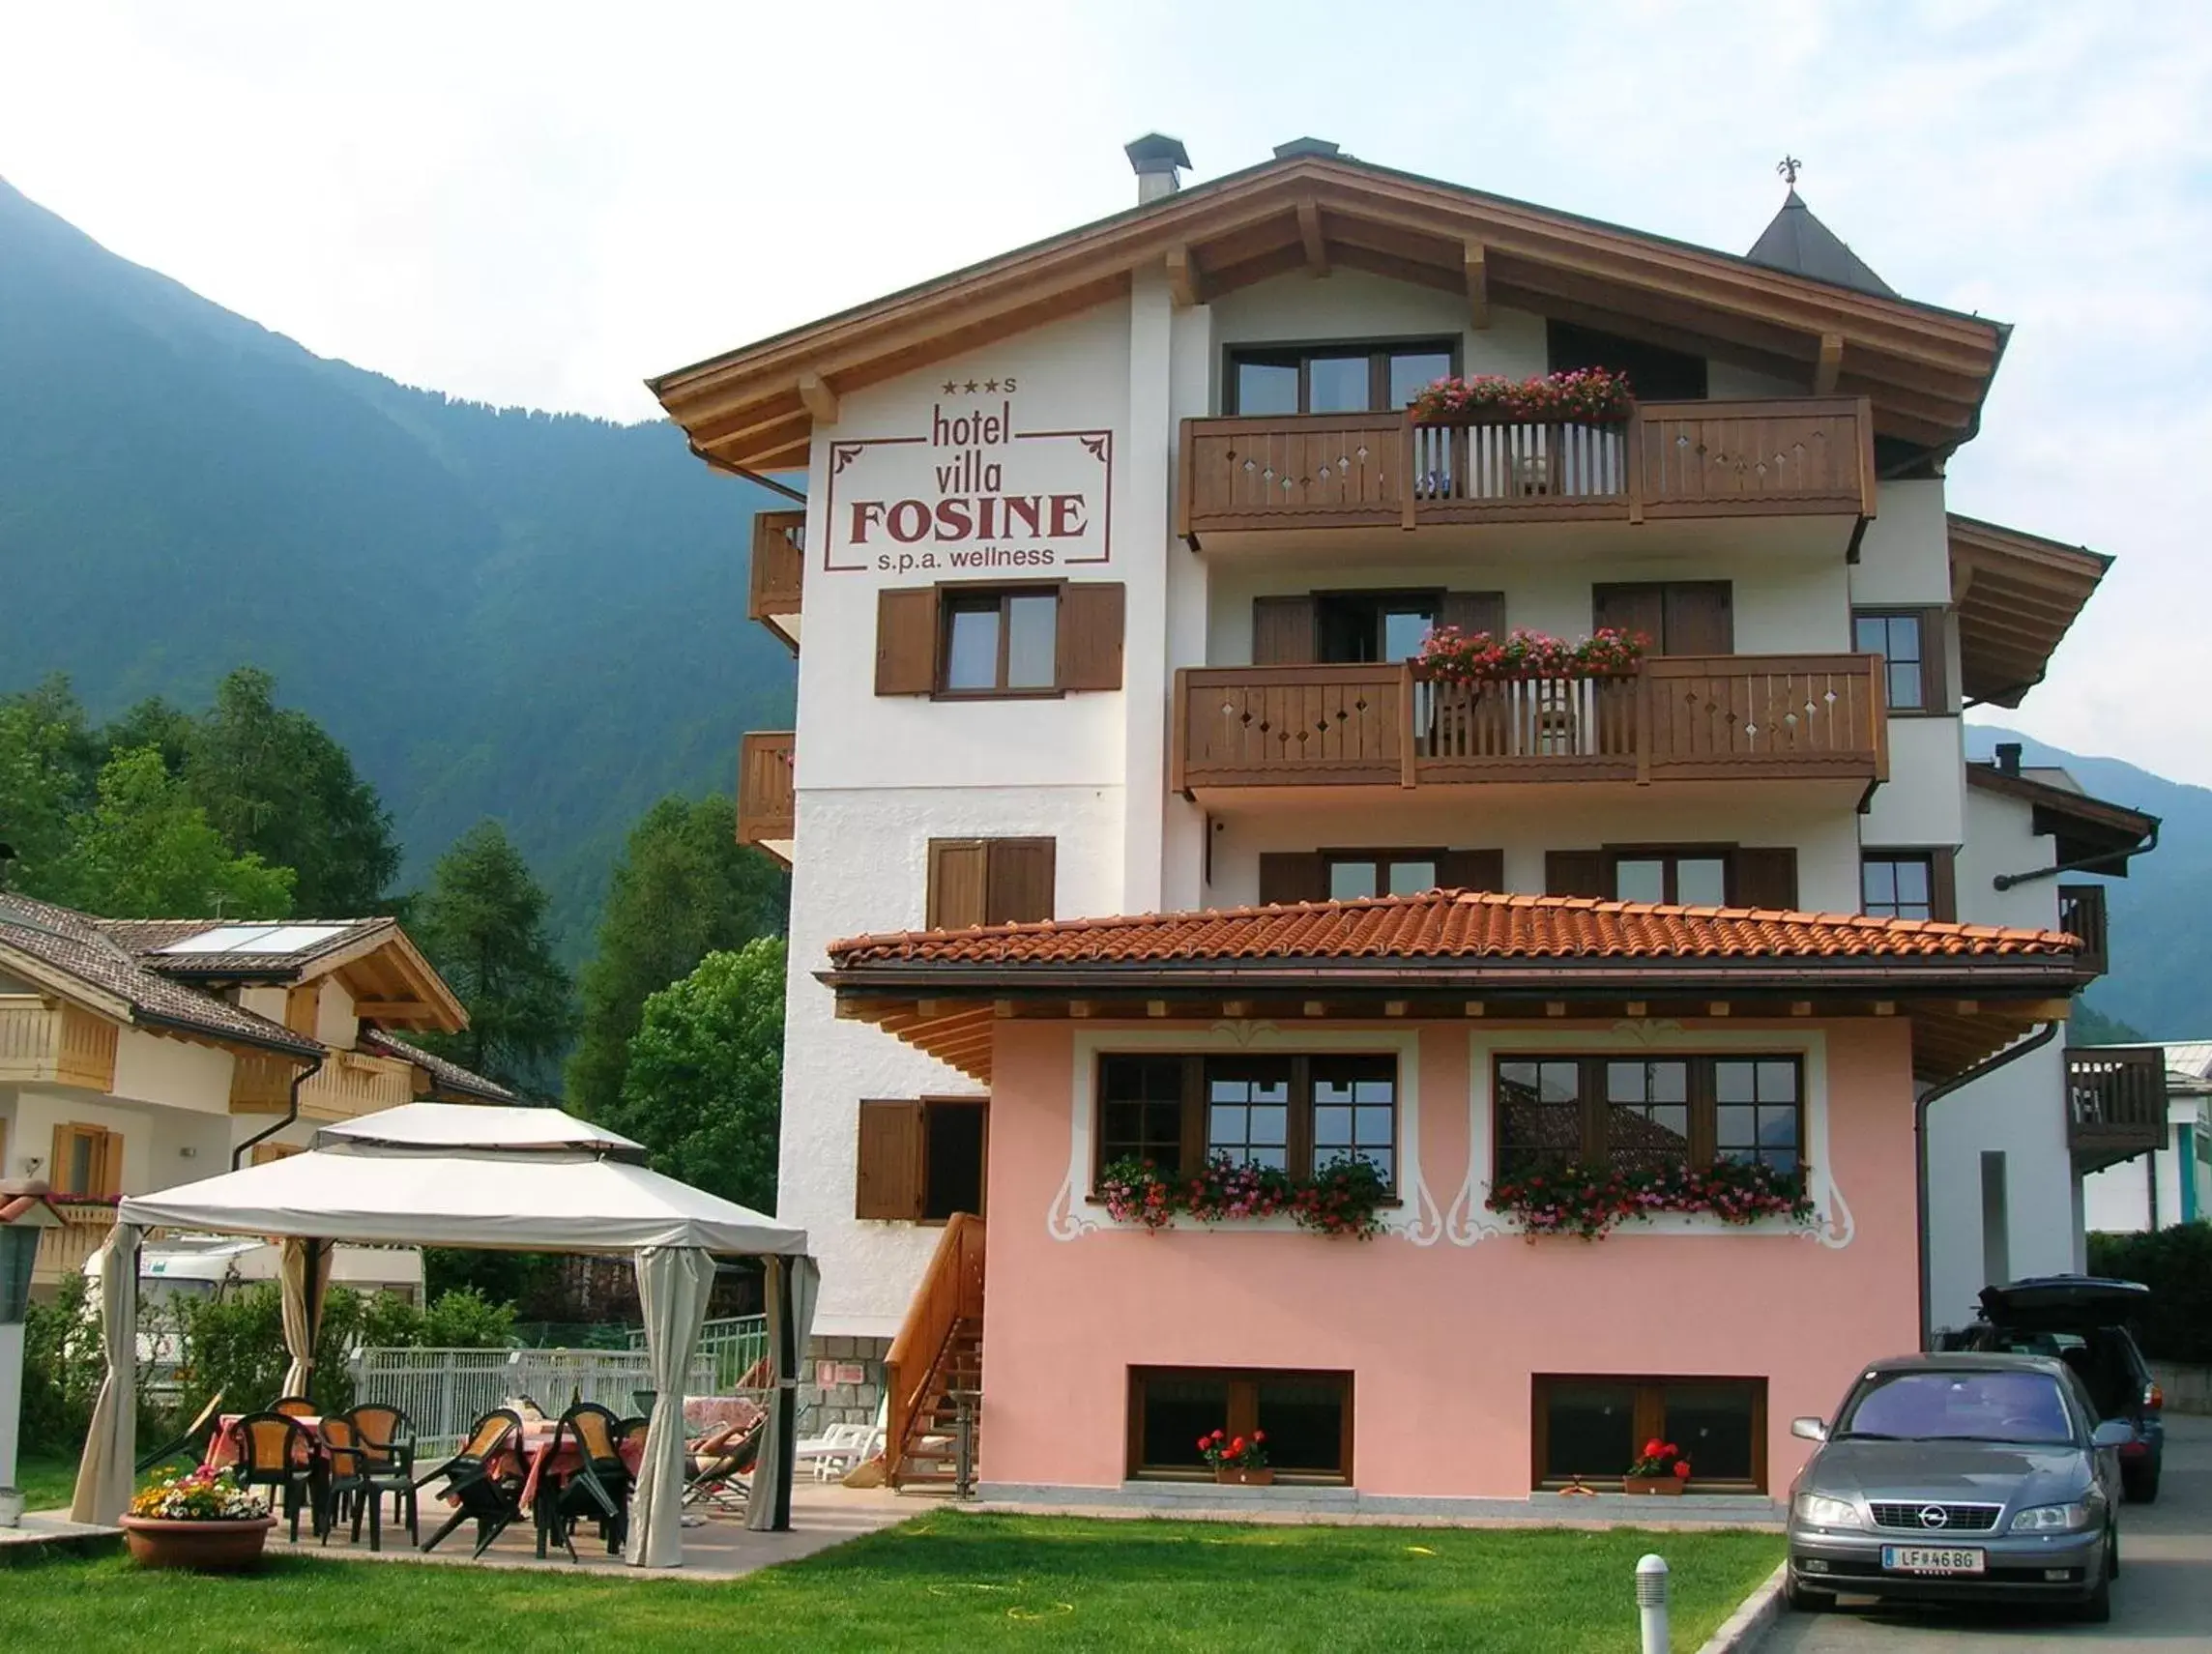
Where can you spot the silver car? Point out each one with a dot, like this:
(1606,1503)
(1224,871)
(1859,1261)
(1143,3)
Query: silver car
(1968,1477)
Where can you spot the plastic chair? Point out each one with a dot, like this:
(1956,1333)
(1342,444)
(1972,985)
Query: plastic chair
(295,1406)
(721,1465)
(170,1449)
(275,1451)
(346,1477)
(597,1487)
(483,1479)
(388,1445)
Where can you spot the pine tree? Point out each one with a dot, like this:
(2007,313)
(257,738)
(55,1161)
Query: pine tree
(145,850)
(481,922)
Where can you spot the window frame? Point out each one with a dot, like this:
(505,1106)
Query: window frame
(1242,1417)
(958,598)
(1935,644)
(1672,855)
(1650,1420)
(1376,601)
(1596,1108)
(1192,1142)
(104,1161)
(1383,860)
(1300,353)
(1923,858)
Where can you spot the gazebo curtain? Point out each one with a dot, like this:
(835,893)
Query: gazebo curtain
(673,1286)
(104,1475)
(306,1278)
(791,1285)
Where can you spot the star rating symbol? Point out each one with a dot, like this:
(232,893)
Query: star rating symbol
(970,388)
(951,388)
(991,385)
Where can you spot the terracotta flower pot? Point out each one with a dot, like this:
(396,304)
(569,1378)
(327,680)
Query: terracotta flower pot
(213,1547)
(1244,1476)
(1663,1487)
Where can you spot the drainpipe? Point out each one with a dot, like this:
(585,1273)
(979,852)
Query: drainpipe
(291,1114)
(2036,1041)
(2088,864)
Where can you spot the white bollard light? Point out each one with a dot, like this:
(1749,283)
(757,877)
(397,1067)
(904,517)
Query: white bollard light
(1652,1602)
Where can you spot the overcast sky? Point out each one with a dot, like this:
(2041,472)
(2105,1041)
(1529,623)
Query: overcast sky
(544,203)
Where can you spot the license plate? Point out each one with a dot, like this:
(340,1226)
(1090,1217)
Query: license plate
(1930,1559)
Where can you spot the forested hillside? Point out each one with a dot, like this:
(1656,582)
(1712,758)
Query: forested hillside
(500,612)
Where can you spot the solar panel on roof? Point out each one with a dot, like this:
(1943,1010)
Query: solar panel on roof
(254,939)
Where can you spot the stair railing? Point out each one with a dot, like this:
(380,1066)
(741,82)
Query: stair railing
(951,1291)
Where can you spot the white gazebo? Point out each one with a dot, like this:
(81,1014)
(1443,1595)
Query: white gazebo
(501,1178)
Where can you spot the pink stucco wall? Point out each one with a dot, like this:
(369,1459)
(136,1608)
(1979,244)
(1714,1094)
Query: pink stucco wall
(1441,1339)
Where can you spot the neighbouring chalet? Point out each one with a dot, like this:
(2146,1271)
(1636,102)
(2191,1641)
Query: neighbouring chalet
(136,1053)
(1200,889)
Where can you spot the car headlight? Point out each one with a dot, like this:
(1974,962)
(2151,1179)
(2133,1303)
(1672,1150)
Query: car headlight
(2052,1519)
(1819,1510)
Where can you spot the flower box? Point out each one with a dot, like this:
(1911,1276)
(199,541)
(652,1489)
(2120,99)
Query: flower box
(1657,1486)
(210,1546)
(1579,396)
(1245,1475)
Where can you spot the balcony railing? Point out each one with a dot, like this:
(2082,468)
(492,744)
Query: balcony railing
(348,1085)
(1807,457)
(63,1250)
(2115,1101)
(2081,911)
(55,1045)
(778,572)
(1682,717)
(767,811)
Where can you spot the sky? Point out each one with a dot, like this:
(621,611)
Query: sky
(543,204)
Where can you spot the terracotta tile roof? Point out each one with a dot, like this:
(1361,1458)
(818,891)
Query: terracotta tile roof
(79,947)
(1455,926)
(444,1076)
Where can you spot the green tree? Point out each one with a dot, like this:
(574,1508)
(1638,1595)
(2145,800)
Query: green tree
(273,782)
(704,1087)
(683,889)
(483,923)
(48,765)
(2088,1026)
(146,849)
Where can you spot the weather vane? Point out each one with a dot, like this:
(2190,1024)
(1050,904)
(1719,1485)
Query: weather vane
(1788,167)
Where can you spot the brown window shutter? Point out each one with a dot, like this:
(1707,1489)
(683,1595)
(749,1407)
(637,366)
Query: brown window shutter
(58,1166)
(1090,622)
(1473,611)
(1934,653)
(1575,873)
(1283,630)
(1767,877)
(1943,885)
(888,1179)
(1018,881)
(1472,870)
(111,1163)
(1293,875)
(1641,611)
(1701,618)
(959,876)
(906,640)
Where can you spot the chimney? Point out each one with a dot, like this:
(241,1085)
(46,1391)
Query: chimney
(1307,146)
(1156,158)
(2008,758)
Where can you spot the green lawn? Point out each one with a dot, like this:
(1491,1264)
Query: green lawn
(948,1580)
(46,1481)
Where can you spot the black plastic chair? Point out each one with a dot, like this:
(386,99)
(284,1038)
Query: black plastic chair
(387,1448)
(183,1443)
(275,1451)
(296,1406)
(599,1487)
(483,1479)
(345,1481)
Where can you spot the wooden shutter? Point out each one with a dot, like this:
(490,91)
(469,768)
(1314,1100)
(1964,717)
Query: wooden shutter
(1017,887)
(1283,630)
(58,1167)
(1943,885)
(906,640)
(1472,870)
(1090,643)
(1934,654)
(1767,877)
(1473,611)
(1293,875)
(889,1181)
(959,877)
(1637,610)
(1700,617)
(1575,873)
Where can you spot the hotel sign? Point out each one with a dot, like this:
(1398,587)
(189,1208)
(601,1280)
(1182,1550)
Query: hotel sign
(978,491)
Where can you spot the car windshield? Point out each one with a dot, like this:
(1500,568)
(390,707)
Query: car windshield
(1959,1407)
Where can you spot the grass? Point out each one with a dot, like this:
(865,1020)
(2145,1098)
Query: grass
(48,1480)
(950,1580)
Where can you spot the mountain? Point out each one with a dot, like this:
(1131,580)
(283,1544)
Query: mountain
(2161,916)
(500,612)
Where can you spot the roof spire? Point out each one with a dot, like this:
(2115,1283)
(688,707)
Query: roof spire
(1799,243)
(1789,168)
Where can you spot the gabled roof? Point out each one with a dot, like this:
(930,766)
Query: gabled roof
(2016,594)
(1798,241)
(2092,837)
(375,959)
(447,1079)
(1925,368)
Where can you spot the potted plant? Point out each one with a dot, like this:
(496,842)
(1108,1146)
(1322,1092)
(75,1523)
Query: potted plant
(1226,1189)
(1346,1197)
(1134,1192)
(1660,1468)
(1576,397)
(1241,1460)
(201,1519)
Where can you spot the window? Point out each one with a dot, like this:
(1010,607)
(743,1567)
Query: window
(920,1159)
(1675,617)
(1647,1112)
(1693,878)
(1336,378)
(88,1160)
(989,880)
(1350,875)
(1307,1417)
(1654,373)
(979,641)
(1301,627)
(1703,875)
(1908,885)
(1590,1429)
(1910,643)
(1294,1113)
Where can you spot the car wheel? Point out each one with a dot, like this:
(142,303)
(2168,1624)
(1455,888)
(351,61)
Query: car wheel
(1803,1600)
(2140,1487)
(2113,1554)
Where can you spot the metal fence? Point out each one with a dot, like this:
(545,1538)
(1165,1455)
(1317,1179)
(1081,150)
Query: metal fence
(734,1346)
(445,1391)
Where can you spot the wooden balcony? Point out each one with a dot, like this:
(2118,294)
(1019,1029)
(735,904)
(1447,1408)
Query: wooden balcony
(2115,1101)
(53,1044)
(767,812)
(2081,911)
(63,1251)
(1677,719)
(1807,457)
(778,572)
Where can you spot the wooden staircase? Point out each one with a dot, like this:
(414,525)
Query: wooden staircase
(935,1363)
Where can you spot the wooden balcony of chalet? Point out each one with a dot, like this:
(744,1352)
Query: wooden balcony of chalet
(767,810)
(778,572)
(1804,457)
(348,1085)
(66,1248)
(43,1043)
(2115,1103)
(1797,717)
(2082,913)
